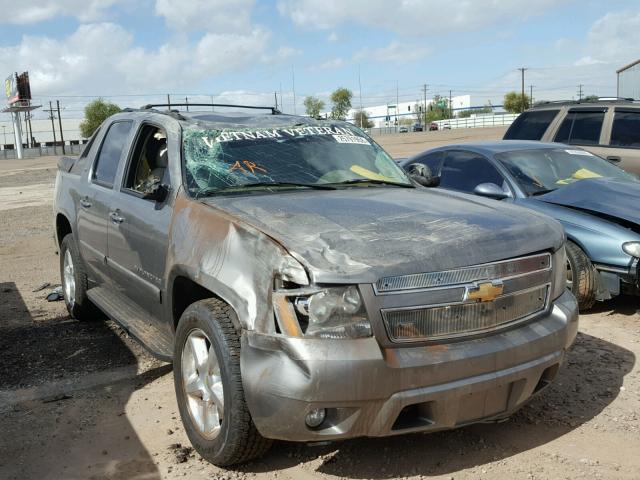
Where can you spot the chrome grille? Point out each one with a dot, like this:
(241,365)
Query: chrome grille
(489,271)
(427,323)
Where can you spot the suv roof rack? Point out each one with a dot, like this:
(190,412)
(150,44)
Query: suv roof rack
(274,111)
(586,102)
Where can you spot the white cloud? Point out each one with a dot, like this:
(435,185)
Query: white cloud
(330,64)
(36,11)
(411,17)
(333,37)
(209,15)
(395,52)
(101,58)
(614,37)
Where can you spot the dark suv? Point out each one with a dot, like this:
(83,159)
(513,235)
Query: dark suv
(609,128)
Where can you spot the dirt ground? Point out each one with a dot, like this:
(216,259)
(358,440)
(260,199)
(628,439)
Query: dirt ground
(83,400)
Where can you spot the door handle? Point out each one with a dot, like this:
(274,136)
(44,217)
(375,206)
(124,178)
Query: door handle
(84,203)
(614,159)
(116,218)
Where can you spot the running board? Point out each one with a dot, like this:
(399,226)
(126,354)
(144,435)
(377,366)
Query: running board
(135,320)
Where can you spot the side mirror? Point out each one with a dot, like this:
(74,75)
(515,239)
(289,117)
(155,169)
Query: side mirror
(422,175)
(490,190)
(157,192)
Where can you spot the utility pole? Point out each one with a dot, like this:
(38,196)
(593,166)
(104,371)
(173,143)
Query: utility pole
(424,113)
(531,95)
(450,106)
(360,94)
(186,100)
(4,132)
(60,124)
(168,101)
(293,86)
(53,126)
(522,70)
(275,95)
(580,92)
(397,105)
(213,109)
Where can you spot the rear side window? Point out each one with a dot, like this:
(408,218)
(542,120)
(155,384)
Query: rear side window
(581,128)
(626,129)
(530,125)
(464,171)
(110,153)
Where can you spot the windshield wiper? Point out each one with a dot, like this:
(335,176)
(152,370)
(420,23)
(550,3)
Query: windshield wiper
(542,192)
(211,191)
(371,181)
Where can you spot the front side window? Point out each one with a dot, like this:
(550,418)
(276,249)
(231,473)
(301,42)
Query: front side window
(530,125)
(432,160)
(626,129)
(581,128)
(109,156)
(149,161)
(237,160)
(464,171)
(544,170)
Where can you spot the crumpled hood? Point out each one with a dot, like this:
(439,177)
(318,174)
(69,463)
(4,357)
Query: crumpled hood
(362,234)
(609,196)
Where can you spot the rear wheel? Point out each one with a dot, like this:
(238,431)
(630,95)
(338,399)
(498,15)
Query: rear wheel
(208,384)
(581,276)
(75,282)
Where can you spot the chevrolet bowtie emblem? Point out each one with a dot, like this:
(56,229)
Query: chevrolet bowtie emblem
(484,292)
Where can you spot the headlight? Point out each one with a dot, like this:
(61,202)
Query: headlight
(336,312)
(559,265)
(632,248)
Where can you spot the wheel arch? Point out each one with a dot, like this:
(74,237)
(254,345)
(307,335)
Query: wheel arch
(63,227)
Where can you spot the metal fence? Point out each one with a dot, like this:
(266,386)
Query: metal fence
(42,151)
(475,121)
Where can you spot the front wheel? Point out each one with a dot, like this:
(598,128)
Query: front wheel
(581,276)
(75,282)
(208,384)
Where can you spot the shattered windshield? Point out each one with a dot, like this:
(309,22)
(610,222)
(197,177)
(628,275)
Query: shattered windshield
(544,170)
(323,156)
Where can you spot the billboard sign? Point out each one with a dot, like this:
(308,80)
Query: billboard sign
(11,89)
(17,87)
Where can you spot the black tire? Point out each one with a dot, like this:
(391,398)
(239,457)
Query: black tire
(238,440)
(582,275)
(79,307)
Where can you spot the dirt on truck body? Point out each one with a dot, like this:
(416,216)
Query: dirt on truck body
(304,287)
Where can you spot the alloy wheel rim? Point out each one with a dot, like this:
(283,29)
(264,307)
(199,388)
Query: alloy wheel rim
(69,279)
(569,276)
(202,384)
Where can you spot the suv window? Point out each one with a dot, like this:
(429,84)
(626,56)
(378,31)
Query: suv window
(431,160)
(464,171)
(530,125)
(110,153)
(148,163)
(626,129)
(581,128)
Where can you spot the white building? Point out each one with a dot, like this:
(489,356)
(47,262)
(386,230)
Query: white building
(629,81)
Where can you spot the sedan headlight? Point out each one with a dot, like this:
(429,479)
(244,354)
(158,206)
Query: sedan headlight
(336,312)
(632,248)
(559,265)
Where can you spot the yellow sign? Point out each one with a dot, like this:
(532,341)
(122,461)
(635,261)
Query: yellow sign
(7,87)
(484,292)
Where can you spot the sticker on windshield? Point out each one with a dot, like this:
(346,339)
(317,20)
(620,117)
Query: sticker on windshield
(351,139)
(579,152)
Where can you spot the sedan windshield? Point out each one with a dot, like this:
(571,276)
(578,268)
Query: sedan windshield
(544,170)
(236,160)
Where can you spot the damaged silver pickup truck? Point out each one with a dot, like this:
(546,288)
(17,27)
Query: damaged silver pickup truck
(304,287)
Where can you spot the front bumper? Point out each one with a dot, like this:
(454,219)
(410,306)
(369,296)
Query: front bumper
(373,391)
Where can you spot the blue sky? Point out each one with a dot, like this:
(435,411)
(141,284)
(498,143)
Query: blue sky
(244,50)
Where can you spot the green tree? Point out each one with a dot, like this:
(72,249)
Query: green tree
(95,113)
(515,103)
(478,111)
(438,109)
(313,106)
(341,100)
(361,119)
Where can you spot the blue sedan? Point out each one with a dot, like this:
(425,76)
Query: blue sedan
(597,203)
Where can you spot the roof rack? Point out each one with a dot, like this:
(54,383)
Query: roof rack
(585,102)
(274,111)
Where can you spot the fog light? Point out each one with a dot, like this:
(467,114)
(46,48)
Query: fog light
(315,417)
